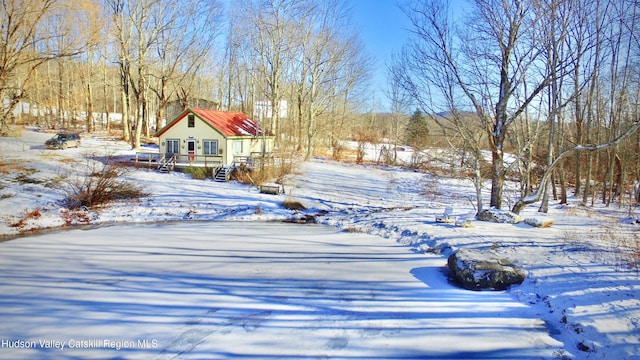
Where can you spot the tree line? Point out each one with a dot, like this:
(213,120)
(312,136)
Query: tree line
(73,59)
(552,83)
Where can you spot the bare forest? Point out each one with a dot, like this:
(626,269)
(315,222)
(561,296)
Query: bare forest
(542,92)
(122,66)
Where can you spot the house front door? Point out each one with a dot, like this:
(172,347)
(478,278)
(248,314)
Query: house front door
(191,149)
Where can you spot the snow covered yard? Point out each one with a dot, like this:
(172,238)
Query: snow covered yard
(369,285)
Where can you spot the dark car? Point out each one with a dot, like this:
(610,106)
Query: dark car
(63,141)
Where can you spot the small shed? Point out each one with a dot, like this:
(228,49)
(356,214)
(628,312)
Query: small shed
(201,137)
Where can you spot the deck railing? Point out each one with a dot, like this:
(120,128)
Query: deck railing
(199,160)
(148,158)
(154,159)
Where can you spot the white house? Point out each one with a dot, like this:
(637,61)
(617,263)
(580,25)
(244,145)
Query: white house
(201,137)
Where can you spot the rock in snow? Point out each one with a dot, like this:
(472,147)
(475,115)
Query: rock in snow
(541,222)
(499,216)
(483,270)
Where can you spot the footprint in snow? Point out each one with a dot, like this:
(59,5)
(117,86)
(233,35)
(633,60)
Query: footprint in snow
(336,343)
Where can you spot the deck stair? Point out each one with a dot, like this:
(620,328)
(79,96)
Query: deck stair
(167,163)
(222,173)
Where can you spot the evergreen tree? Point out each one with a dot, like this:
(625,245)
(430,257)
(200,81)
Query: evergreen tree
(417,131)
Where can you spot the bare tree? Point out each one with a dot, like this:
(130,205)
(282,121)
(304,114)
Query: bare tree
(89,24)
(323,56)
(349,87)
(552,34)
(400,103)
(302,49)
(582,41)
(189,31)
(485,65)
(270,40)
(144,16)
(123,35)
(239,62)
(26,44)
(173,31)
(137,27)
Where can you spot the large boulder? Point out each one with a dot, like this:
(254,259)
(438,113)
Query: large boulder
(499,216)
(483,270)
(540,222)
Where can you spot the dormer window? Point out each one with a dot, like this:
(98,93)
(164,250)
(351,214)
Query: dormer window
(191,120)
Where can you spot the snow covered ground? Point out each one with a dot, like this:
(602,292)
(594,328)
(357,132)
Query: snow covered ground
(369,285)
(264,290)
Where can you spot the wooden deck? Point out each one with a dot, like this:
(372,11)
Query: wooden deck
(220,171)
(153,159)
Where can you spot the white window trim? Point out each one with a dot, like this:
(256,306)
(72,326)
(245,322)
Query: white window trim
(205,145)
(177,141)
(234,144)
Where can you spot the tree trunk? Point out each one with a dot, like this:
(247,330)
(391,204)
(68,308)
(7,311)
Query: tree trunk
(105,107)
(126,127)
(596,165)
(497,178)
(310,133)
(607,196)
(554,190)
(477,182)
(89,124)
(563,185)
(61,118)
(544,204)
(300,119)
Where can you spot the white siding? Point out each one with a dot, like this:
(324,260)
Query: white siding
(203,131)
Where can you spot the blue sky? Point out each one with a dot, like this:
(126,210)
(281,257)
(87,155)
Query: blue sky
(383,29)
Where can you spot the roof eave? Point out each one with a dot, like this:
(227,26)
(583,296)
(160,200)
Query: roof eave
(176,120)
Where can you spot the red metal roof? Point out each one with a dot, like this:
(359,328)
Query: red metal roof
(228,123)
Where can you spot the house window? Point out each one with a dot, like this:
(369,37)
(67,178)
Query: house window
(210,147)
(173,146)
(191,120)
(237,147)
